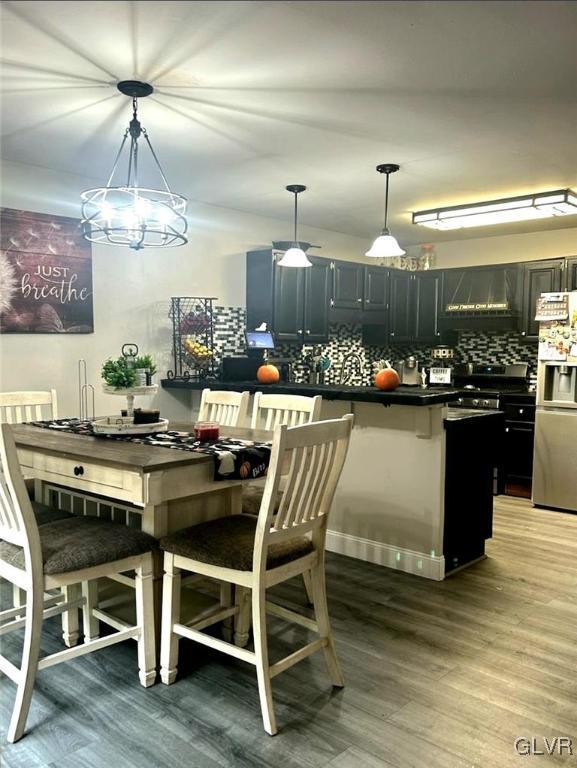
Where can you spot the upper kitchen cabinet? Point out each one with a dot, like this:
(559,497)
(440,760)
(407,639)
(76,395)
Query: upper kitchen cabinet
(481,298)
(538,277)
(348,285)
(317,296)
(376,293)
(426,298)
(288,303)
(293,302)
(572,274)
(401,325)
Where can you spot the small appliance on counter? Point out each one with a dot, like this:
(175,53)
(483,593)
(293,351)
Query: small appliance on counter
(409,371)
(317,363)
(441,365)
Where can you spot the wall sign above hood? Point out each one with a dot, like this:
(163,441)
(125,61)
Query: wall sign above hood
(481,297)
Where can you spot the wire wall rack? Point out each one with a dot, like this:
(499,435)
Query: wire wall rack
(193,349)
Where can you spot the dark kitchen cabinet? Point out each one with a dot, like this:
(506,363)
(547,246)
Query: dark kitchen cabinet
(376,293)
(425,301)
(348,285)
(293,302)
(538,277)
(517,455)
(288,303)
(572,274)
(317,296)
(401,325)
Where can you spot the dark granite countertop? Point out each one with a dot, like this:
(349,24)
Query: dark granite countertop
(401,396)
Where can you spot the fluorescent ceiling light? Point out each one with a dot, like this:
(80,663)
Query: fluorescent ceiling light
(541,205)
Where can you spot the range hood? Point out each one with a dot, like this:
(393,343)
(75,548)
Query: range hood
(481,298)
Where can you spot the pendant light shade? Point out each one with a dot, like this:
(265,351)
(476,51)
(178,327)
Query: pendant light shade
(128,214)
(295,256)
(386,246)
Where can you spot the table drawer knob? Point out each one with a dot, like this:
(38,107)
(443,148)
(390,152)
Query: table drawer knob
(79,470)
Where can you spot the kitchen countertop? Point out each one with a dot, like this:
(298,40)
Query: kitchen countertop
(400,396)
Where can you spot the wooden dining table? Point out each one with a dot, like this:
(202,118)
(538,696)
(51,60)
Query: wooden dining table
(170,489)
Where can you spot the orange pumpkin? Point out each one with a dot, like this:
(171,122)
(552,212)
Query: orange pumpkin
(268,374)
(387,379)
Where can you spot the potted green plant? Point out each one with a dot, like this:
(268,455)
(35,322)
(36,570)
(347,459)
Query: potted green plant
(145,369)
(118,374)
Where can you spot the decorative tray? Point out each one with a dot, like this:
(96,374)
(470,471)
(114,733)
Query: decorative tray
(124,425)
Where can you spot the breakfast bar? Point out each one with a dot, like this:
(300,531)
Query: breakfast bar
(393,506)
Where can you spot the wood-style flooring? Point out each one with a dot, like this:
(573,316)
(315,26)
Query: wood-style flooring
(439,675)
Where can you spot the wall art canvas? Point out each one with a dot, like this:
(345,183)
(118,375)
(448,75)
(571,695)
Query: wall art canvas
(45,274)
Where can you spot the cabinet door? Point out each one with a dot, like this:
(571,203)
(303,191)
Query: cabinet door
(539,277)
(518,453)
(317,298)
(401,318)
(348,280)
(288,318)
(572,273)
(376,296)
(426,306)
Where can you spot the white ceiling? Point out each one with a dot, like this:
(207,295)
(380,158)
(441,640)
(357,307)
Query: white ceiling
(475,100)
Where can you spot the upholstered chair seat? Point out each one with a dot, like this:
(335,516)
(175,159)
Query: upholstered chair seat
(45,514)
(229,543)
(76,543)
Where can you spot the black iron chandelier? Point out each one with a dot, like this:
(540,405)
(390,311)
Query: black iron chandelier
(130,215)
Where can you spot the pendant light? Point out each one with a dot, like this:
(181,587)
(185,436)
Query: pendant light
(127,214)
(386,246)
(295,256)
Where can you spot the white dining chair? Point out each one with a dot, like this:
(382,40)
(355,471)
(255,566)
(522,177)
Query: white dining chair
(229,409)
(17,407)
(65,553)
(268,411)
(257,553)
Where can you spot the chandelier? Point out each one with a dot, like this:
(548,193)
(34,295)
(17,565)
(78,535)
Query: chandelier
(127,214)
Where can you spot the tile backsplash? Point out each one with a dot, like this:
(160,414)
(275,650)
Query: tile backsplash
(347,353)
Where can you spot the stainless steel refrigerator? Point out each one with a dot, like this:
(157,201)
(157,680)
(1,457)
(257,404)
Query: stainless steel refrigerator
(555,452)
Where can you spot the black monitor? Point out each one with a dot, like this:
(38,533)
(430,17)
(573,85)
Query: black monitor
(259,340)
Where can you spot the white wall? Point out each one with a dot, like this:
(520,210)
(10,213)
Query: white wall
(507,248)
(131,290)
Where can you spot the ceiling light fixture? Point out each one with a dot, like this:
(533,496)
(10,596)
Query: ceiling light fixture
(541,205)
(295,256)
(130,215)
(386,246)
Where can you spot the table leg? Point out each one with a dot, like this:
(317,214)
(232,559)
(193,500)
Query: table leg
(155,522)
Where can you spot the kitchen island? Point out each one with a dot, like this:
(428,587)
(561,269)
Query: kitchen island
(400,502)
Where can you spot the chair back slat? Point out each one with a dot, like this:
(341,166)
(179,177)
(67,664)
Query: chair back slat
(269,411)
(17,407)
(17,522)
(315,455)
(229,409)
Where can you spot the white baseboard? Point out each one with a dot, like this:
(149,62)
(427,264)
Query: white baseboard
(426,566)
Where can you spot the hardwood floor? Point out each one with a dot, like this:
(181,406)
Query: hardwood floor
(438,674)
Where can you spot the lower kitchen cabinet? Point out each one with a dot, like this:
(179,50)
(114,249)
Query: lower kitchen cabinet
(472,454)
(517,466)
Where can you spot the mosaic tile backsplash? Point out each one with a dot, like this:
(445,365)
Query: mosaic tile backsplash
(347,353)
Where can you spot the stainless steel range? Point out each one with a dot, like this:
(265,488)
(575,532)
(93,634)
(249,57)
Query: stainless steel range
(483,386)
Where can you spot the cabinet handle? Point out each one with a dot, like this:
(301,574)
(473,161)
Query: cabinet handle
(521,410)
(79,470)
(506,429)
(307,331)
(300,330)
(332,302)
(523,333)
(392,333)
(359,300)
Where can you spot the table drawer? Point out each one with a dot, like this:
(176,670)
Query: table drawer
(85,475)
